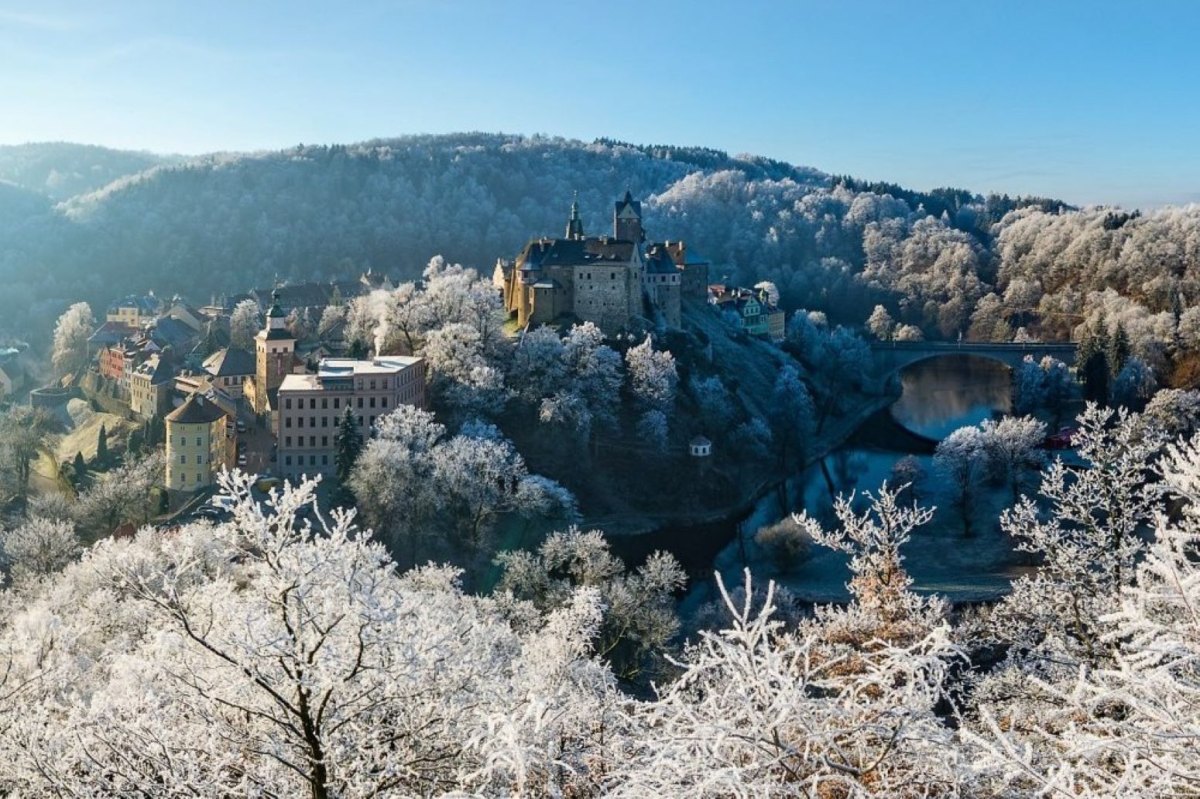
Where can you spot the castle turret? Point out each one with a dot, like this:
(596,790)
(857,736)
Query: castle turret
(627,220)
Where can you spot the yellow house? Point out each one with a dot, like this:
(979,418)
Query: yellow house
(200,442)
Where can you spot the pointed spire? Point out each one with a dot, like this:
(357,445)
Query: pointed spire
(276,310)
(575,224)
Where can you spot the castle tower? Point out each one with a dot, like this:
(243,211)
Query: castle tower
(274,347)
(575,224)
(627,220)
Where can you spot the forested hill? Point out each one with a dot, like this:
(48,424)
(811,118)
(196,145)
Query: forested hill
(948,261)
(60,170)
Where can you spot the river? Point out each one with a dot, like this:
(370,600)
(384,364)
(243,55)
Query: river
(939,395)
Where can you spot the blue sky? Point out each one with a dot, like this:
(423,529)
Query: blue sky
(1092,102)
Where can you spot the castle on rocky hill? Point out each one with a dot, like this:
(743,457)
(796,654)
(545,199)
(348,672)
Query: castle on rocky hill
(618,281)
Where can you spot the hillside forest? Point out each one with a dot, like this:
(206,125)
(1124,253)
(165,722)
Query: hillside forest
(88,223)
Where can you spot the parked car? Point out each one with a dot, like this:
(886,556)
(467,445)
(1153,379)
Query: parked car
(241,459)
(241,426)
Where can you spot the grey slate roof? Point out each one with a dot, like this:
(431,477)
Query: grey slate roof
(196,410)
(229,362)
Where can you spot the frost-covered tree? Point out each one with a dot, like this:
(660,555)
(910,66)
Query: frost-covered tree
(462,376)
(1129,729)
(360,323)
(652,376)
(880,323)
(841,705)
(425,489)
(1087,541)
(38,547)
(1134,385)
(640,620)
(589,401)
(331,317)
(244,324)
(961,458)
(392,479)
(786,541)
(1011,445)
(71,332)
(792,417)
(24,432)
(1174,411)
(275,656)
(714,403)
(120,496)
(908,333)
(538,367)
(653,430)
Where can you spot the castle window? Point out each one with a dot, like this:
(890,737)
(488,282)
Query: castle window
(287,422)
(287,441)
(287,460)
(287,403)
(324,402)
(312,441)
(324,441)
(337,402)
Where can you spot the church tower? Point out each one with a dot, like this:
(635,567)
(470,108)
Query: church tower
(575,224)
(627,220)
(274,347)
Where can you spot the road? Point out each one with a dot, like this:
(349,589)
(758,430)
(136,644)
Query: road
(259,443)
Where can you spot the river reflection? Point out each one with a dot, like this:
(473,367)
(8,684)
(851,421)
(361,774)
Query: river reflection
(946,393)
(940,395)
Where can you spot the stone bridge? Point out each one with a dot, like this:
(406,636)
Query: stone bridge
(892,356)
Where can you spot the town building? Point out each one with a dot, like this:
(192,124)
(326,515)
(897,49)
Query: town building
(201,441)
(274,357)
(133,311)
(311,406)
(12,373)
(108,334)
(230,368)
(150,387)
(750,309)
(194,318)
(614,281)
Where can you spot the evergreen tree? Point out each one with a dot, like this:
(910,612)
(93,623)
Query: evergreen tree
(1117,352)
(102,447)
(348,445)
(1092,360)
(155,432)
(78,469)
(136,439)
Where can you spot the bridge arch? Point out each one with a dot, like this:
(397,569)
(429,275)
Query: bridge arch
(892,356)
